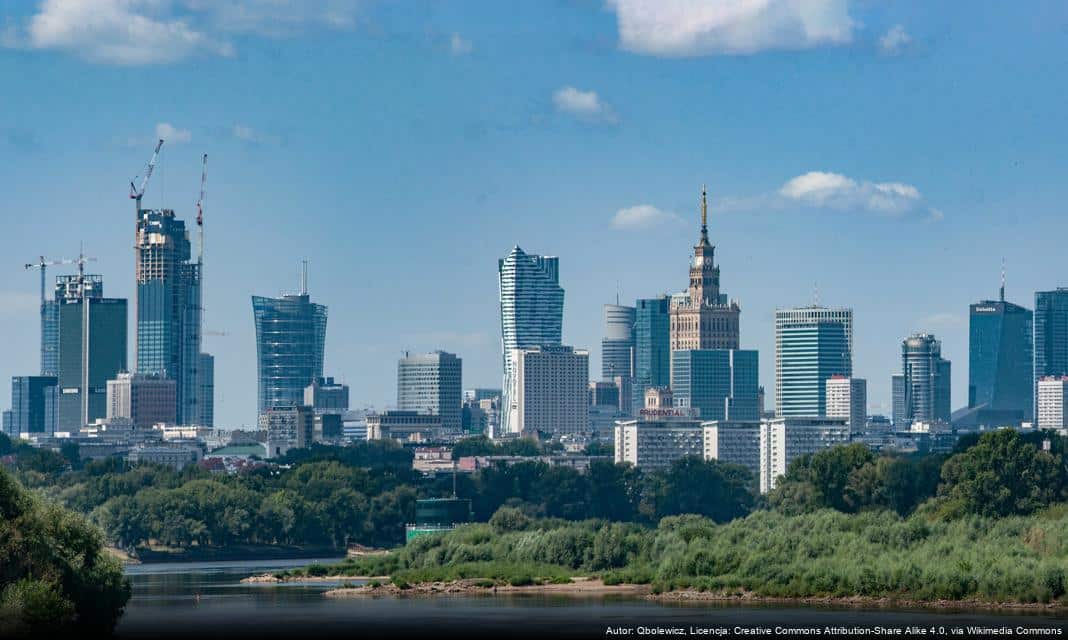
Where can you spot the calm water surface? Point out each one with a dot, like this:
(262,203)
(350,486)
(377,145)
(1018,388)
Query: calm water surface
(207,600)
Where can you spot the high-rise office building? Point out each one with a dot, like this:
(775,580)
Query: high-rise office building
(1052,396)
(92,348)
(326,396)
(431,384)
(167,306)
(33,405)
(848,398)
(899,404)
(49,338)
(146,399)
(926,380)
(206,393)
(1000,365)
(550,391)
(704,318)
(532,313)
(811,345)
(722,384)
(617,346)
(290,341)
(652,347)
(1051,333)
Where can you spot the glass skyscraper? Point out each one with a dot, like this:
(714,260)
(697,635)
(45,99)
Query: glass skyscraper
(92,349)
(811,345)
(431,383)
(532,311)
(1051,333)
(618,342)
(33,405)
(49,338)
(652,346)
(723,384)
(168,306)
(926,378)
(290,340)
(1000,376)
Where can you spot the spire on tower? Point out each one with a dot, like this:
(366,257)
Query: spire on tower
(1003,279)
(704,215)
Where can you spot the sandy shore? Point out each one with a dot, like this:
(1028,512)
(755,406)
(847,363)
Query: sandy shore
(692,595)
(577,587)
(268,578)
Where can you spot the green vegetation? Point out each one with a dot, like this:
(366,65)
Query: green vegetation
(54,572)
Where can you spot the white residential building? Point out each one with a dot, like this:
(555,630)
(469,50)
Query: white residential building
(784,439)
(848,398)
(734,442)
(1052,398)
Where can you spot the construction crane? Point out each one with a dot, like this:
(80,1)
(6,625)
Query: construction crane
(43,265)
(136,193)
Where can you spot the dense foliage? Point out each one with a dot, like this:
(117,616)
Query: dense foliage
(820,554)
(54,572)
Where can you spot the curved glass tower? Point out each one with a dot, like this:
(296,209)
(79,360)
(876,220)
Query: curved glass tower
(532,309)
(290,339)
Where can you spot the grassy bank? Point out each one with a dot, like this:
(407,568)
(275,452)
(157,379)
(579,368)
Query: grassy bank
(826,554)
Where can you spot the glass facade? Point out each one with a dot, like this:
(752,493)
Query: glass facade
(1000,358)
(926,379)
(532,310)
(431,383)
(1051,333)
(290,339)
(618,342)
(49,338)
(723,384)
(652,346)
(92,350)
(168,306)
(33,404)
(206,390)
(811,345)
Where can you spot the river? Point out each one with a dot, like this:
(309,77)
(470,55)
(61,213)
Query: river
(208,600)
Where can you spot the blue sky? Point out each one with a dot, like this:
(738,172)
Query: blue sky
(887,154)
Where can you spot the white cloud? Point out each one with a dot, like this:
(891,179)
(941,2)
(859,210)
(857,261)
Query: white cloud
(172,134)
(143,32)
(458,46)
(585,105)
(248,134)
(822,189)
(642,216)
(677,28)
(895,41)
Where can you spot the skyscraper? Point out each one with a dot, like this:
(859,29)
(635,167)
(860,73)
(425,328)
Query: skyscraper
(550,391)
(811,345)
(652,346)
(703,318)
(206,391)
(290,341)
(92,348)
(1000,374)
(617,346)
(431,383)
(722,384)
(1051,333)
(532,312)
(33,405)
(49,338)
(926,379)
(168,306)
(899,405)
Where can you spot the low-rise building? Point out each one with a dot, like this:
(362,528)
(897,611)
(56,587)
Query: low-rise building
(405,426)
(172,455)
(431,460)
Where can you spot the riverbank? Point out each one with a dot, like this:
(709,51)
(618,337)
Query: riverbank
(577,587)
(227,554)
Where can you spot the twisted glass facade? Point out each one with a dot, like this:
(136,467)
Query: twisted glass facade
(290,339)
(532,310)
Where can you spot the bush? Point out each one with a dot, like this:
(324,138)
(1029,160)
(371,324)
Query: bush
(508,519)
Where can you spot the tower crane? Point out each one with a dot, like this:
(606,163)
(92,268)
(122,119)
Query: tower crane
(43,264)
(136,193)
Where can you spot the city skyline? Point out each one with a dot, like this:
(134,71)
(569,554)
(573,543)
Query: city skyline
(568,189)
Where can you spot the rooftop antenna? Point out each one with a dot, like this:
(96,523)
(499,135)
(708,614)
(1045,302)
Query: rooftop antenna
(303,277)
(815,294)
(704,214)
(1003,279)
